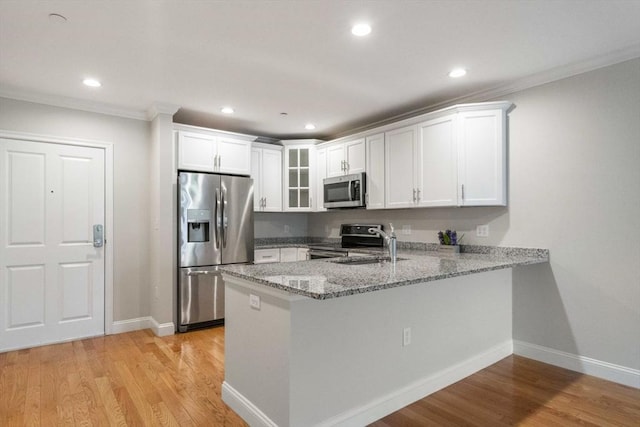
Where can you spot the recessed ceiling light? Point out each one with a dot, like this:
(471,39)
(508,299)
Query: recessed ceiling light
(457,72)
(227,110)
(309,126)
(91,83)
(361,29)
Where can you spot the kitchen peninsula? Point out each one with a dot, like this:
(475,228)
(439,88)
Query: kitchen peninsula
(326,342)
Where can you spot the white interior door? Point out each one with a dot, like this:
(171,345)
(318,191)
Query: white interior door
(52,276)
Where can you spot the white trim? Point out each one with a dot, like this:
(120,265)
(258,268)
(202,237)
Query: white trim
(585,365)
(385,405)
(108,206)
(72,103)
(243,407)
(130,325)
(162,329)
(419,389)
(161,108)
(538,79)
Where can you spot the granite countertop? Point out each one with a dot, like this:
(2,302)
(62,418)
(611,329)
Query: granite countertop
(331,278)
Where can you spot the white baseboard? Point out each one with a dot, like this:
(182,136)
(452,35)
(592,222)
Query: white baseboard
(130,325)
(419,389)
(385,405)
(243,407)
(585,365)
(162,329)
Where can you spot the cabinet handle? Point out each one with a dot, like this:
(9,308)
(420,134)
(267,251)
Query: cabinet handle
(414,195)
(264,202)
(219,161)
(418,199)
(366,199)
(346,166)
(462,191)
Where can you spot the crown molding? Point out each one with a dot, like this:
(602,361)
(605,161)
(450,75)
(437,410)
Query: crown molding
(161,108)
(498,91)
(20,94)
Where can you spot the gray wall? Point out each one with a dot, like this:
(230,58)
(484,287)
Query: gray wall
(130,140)
(574,188)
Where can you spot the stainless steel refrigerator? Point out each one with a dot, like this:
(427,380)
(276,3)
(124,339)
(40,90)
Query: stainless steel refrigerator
(215,228)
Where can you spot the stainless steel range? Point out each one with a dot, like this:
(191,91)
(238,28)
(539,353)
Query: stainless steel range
(352,236)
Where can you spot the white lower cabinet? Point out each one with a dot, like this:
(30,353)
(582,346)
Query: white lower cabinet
(263,256)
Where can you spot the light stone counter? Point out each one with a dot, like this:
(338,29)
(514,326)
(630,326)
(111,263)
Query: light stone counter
(324,279)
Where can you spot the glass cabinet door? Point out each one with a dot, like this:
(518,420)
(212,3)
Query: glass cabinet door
(299,196)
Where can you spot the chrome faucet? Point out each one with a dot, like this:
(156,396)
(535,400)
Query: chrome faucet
(390,240)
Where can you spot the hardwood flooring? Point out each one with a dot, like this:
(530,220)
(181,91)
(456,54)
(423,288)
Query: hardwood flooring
(137,379)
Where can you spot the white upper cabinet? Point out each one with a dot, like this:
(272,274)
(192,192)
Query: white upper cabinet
(206,152)
(266,171)
(401,149)
(299,178)
(482,158)
(375,171)
(456,158)
(437,173)
(321,174)
(345,158)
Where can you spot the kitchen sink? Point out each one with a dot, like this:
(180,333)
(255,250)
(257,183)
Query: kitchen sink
(363,260)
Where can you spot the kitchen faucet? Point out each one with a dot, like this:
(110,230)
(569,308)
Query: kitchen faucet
(390,240)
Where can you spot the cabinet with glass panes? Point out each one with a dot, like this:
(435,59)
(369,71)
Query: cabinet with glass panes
(298,176)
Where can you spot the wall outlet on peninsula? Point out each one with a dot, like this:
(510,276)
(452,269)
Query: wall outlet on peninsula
(406,337)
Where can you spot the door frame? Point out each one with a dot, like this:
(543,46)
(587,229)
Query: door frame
(108,205)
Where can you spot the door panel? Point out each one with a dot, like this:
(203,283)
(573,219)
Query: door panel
(25,302)
(26,189)
(51,276)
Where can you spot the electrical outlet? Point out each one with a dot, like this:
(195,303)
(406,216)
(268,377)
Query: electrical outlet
(254,301)
(287,229)
(326,230)
(406,337)
(406,229)
(157,292)
(482,230)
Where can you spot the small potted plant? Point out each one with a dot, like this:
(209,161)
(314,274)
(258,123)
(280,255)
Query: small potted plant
(449,242)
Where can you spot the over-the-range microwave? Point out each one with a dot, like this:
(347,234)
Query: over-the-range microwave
(347,191)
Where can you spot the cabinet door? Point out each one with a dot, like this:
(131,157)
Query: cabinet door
(303,254)
(355,155)
(321,174)
(336,160)
(196,151)
(437,162)
(482,163)
(298,179)
(272,180)
(256,174)
(234,156)
(375,171)
(400,165)
(288,254)
(261,256)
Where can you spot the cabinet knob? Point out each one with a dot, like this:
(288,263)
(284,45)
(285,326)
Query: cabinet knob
(414,195)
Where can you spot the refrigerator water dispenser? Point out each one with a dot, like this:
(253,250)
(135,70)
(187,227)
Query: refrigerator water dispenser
(198,225)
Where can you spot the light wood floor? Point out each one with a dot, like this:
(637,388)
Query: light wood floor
(137,379)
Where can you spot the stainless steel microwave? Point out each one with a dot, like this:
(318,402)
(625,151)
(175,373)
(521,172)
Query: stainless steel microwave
(347,191)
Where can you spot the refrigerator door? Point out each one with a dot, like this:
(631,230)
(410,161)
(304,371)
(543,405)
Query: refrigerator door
(199,216)
(201,292)
(236,231)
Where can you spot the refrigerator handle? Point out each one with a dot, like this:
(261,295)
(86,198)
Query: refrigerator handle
(225,221)
(218,214)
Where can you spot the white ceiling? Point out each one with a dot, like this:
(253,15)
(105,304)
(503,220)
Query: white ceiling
(299,57)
